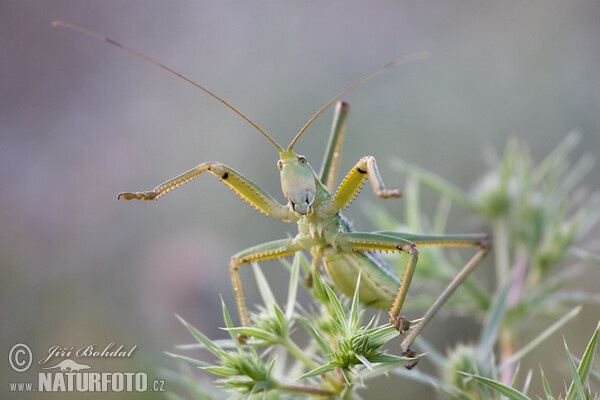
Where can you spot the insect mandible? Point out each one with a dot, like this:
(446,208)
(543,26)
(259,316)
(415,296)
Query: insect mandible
(314,202)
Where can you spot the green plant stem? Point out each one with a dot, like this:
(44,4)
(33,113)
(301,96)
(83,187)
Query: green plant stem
(298,353)
(507,345)
(310,364)
(501,252)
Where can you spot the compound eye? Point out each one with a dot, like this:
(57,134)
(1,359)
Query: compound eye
(279,165)
(302,160)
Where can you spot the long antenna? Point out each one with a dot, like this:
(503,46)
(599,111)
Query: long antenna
(150,60)
(403,60)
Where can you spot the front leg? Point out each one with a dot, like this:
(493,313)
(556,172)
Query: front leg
(247,189)
(365,167)
(265,251)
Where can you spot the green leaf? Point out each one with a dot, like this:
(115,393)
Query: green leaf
(492,323)
(413,203)
(527,381)
(223,344)
(588,357)
(436,183)
(389,358)
(384,368)
(382,334)
(585,255)
(421,377)
(324,345)
(507,391)
(576,174)
(222,370)
(337,308)
(547,390)
(228,321)
(577,384)
(257,333)
(556,157)
(515,376)
(363,360)
(354,320)
(293,287)
(280,316)
(540,338)
(188,360)
(585,366)
(210,346)
(263,287)
(319,371)
(261,386)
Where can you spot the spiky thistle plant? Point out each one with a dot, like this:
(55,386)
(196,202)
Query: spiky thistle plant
(342,354)
(538,215)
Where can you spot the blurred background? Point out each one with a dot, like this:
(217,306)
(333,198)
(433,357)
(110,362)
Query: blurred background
(81,121)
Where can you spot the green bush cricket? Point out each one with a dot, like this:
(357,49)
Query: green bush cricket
(314,203)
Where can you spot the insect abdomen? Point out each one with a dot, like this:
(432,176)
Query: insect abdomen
(378,285)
